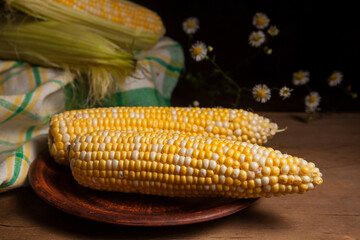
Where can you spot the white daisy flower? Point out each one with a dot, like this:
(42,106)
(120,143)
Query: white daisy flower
(273,31)
(191,25)
(312,102)
(301,77)
(285,92)
(261,93)
(198,51)
(260,20)
(256,38)
(335,78)
(196,103)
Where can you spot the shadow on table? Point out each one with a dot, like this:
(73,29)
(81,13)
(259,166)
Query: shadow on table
(63,224)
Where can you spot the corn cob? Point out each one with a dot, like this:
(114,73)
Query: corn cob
(170,164)
(123,22)
(223,123)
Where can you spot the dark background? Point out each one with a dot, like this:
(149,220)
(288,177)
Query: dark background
(316,36)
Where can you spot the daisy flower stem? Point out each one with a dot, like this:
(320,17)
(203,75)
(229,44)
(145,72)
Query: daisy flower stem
(308,87)
(248,60)
(247,89)
(190,38)
(228,78)
(238,94)
(348,91)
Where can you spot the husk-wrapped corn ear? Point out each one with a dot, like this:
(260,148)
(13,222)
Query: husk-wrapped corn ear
(127,24)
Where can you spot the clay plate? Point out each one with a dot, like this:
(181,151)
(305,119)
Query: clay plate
(56,186)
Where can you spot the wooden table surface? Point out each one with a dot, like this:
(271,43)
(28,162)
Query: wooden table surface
(332,211)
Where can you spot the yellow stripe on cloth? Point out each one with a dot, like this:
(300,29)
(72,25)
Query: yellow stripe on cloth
(169,60)
(24,166)
(4,67)
(9,167)
(163,69)
(15,105)
(29,74)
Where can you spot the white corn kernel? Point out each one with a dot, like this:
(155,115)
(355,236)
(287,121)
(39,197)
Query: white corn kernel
(285,169)
(215,156)
(102,147)
(135,155)
(265,180)
(205,163)
(212,164)
(66,137)
(189,151)
(258,182)
(152,156)
(223,169)
(115,164)
(254,166)
(187,161)
(176,158)
(112,155)
(236,173)
(108,164)
(222,179)
(202,173)
(82,155)
(88,156)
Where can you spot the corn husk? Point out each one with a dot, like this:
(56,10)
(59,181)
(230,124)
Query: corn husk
(89,56)
(124,36)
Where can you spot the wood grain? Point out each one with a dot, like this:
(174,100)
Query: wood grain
(332,211)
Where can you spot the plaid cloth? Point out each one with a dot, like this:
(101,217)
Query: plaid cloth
(29,95)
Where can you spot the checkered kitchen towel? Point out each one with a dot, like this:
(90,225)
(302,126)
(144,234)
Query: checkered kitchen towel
(29,95)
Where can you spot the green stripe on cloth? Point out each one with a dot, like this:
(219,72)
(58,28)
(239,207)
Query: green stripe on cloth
(29,132)
(176,54)
(10,106)
(7,151)
(58,82)
(22,107)
(138,97)
(167,101)
(15,65)
(3,142)
(12,75)
(164,64)
(17,168)
(22,156)
(75,96)
(36,72)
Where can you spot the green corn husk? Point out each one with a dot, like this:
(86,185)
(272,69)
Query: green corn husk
(92,58)
(122,35)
